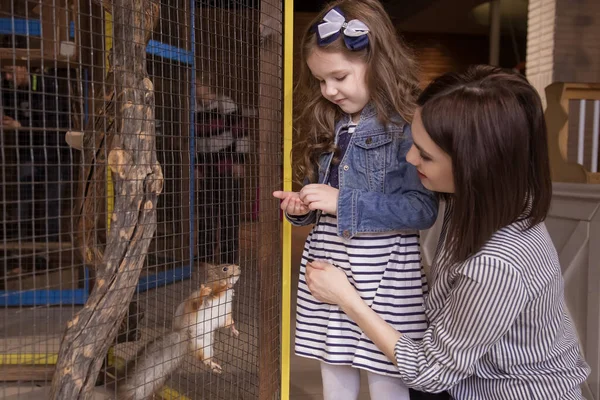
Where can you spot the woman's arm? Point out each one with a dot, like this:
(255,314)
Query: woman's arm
(486,298)
(380,332)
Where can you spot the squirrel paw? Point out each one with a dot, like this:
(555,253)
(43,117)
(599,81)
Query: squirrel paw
(234,331)
(215,368)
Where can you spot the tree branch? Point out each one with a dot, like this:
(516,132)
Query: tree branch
(138,180)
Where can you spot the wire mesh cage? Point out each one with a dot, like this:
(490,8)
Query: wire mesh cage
(140,248)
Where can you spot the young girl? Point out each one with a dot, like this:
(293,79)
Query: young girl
(499,327)
(358,85)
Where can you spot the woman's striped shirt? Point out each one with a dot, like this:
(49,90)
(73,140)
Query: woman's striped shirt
(499,327)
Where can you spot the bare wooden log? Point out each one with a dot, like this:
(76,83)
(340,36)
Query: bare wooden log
(138,180)
(90,207)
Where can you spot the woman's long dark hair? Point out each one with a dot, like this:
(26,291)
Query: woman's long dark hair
(491,123)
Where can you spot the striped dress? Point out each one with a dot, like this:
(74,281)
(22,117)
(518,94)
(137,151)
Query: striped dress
(386,270)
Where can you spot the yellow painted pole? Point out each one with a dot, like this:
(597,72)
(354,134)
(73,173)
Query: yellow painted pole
(288,56)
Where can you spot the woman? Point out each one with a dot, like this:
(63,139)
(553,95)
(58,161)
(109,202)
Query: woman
(498,323)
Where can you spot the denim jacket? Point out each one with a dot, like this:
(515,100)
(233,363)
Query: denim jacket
(379,191)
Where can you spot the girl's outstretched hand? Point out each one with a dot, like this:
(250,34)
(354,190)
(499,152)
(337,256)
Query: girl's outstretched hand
(318,196)
(291,203)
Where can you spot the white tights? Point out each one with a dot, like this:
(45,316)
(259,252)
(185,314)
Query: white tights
(342,382)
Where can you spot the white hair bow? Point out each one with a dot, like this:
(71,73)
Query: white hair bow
(334,21)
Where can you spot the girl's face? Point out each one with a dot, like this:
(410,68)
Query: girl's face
(342,79)
(433,164)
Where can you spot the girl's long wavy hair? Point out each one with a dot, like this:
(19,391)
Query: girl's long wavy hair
(391,78)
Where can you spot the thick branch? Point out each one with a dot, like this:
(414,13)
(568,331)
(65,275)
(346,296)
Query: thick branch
(90,207)
(137,180)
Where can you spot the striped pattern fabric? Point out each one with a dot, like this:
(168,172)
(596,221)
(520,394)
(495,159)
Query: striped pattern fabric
(386,270)
(499,327)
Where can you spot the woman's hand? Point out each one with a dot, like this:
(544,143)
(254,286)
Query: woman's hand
(291,203)
(329,284)
(318,196)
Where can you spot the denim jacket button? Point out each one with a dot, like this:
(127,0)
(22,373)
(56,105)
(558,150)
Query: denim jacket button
(369,140)
(346,234)
(346,167)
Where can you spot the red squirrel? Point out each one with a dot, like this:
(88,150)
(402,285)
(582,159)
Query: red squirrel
(196,320)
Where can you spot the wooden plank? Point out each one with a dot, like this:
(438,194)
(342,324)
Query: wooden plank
(42,246)
(270,179)
(556,120)
(36,373)
(32,57)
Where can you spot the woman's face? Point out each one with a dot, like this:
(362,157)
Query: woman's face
(433,164)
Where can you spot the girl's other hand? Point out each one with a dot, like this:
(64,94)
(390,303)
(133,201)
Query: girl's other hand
(291,203)
(318,196)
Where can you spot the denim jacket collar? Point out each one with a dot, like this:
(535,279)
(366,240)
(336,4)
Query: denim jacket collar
(368,122)
(369,112)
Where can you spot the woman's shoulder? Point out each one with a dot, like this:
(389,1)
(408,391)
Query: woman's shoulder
(522,235)
(528,251)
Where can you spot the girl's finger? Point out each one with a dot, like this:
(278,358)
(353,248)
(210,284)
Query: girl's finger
(316,205)
(306,191)
(285,204)
(280,194)
(303,209)
(302,195)
(311,198)
(296,207)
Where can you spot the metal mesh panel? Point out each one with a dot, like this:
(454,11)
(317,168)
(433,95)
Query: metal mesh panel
(140,144)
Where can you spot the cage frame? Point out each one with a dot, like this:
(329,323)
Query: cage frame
(168,393)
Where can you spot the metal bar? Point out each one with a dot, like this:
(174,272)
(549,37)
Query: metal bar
(581,131)
(595,134)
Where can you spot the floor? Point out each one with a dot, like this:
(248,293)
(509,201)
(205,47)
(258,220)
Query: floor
(305,373)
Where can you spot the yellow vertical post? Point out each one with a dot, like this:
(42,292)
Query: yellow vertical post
(110,193)
(288,57)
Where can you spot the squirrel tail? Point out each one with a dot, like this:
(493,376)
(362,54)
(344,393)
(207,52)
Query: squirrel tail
(151,367)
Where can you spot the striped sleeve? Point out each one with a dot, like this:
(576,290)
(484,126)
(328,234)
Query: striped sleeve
(485,299)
